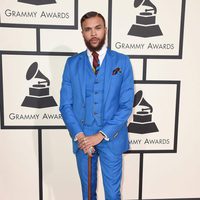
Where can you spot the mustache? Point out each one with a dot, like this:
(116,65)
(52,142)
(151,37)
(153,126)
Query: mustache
(94,38)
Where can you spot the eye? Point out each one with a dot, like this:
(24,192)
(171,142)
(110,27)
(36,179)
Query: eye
(98,27)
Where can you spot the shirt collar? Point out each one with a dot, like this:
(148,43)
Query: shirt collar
(101,52)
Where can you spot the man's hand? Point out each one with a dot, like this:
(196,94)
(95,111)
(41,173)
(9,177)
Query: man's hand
(80,136)
(85,143)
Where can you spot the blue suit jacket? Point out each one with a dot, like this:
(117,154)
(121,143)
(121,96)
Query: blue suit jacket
(118,97)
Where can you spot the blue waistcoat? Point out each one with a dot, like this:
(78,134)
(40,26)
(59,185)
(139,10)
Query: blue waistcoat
(94,96)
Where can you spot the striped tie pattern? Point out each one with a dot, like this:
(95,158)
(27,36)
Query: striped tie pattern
(95,62)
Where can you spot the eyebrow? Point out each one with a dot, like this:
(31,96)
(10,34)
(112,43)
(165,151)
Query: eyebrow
(89,27)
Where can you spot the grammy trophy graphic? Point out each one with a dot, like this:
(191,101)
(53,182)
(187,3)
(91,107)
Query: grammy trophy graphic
(37,2)
(142,120)
(38,93)
(146,21)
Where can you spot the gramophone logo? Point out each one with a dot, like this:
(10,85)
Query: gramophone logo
(142,120)
(37,2)
(146,20)
(39,93)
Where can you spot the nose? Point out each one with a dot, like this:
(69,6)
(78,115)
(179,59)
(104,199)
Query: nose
(93,32)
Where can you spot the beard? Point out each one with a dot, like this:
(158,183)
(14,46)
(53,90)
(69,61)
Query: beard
(98,47)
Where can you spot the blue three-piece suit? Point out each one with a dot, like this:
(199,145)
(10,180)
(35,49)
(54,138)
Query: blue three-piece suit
(90,103)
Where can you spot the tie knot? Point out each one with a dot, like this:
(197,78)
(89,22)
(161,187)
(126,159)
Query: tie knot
(95,54)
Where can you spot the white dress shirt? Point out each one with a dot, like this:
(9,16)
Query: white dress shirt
(101,53)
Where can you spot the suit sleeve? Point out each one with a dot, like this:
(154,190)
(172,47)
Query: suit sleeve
(113,126)
(66,103)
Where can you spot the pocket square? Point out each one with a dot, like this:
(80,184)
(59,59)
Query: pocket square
(116,70)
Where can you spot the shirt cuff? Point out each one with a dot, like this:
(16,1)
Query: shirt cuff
(105,136)
(76,136)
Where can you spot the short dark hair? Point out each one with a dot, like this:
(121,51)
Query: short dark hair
(92,14)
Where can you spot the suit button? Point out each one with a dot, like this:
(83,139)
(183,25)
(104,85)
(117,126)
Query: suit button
(82,121)
(96,93)
(95,113)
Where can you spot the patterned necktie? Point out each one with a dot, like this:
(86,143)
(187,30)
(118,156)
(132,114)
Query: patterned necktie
(95,62)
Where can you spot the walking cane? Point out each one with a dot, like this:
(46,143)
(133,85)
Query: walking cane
(89,176)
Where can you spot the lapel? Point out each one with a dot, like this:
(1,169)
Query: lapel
(109,66)
(84,61)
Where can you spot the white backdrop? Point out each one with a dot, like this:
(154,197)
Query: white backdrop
(36,159)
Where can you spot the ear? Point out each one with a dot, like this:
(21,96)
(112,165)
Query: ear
(106,30)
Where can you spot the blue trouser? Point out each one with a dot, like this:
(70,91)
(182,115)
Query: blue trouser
(111,166)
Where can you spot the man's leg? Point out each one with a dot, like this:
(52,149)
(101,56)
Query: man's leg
(82,163)
(111,166)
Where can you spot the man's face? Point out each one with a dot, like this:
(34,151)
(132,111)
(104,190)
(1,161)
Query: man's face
(94,33)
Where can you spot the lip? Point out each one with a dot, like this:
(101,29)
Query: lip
(94,40)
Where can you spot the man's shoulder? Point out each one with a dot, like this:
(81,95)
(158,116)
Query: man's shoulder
(77,56)
(116,53)
(118,56)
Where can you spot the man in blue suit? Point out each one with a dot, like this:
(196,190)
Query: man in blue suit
(96,101)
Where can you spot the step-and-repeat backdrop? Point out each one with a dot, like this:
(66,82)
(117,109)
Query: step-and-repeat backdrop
(161,38)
